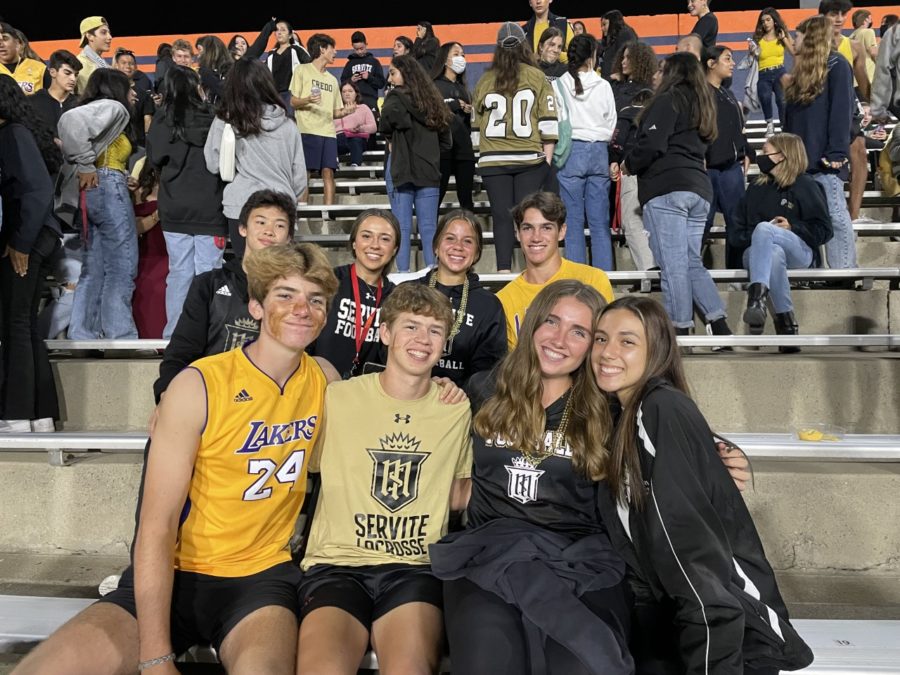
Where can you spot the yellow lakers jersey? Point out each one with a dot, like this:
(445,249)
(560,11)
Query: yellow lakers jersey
(28,73)
(250,473)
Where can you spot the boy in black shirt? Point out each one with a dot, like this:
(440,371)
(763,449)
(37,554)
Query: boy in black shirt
(707,26)
(364,70)
(52,101)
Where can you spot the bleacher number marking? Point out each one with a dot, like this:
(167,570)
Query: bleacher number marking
(288,472)
(522,104)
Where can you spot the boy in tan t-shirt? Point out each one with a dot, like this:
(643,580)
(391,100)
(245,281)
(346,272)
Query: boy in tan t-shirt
(316,96)
(394,461)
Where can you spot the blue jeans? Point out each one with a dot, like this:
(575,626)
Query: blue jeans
(189,255)
(584,188)
(354,146)
(426,201)
(675,222)
(102,304)
(841,250)
(728,191)
(769,84)
(773,251)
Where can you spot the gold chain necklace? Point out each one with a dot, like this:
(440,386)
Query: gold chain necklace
(558,438)
(463,303)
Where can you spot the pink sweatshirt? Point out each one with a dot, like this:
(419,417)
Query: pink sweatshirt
(359,124)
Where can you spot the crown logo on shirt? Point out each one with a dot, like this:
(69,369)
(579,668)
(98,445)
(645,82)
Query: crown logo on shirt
(246,324)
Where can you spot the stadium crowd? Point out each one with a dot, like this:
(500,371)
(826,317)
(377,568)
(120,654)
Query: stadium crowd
(594,518)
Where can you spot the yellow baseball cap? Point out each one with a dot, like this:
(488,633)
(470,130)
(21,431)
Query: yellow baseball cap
(90,23)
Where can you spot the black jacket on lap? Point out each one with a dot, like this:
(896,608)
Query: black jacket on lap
(190,197)
(215,319)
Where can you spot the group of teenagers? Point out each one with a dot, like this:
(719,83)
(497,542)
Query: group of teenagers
(557,505)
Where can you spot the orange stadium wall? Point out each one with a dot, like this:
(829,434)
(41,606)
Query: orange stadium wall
(661,31)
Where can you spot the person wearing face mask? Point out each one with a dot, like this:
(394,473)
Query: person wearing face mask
(780,225)
(449,75)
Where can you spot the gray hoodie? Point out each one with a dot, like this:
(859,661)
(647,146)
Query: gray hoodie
(272,159)
(887,75)
(85,132)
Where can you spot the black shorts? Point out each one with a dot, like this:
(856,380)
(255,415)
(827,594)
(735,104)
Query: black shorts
(368,592)
(206,608)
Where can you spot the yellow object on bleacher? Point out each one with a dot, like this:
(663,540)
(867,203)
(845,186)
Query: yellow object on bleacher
(815,435)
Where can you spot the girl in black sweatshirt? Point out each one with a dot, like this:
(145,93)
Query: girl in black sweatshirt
(729,155)
(477,338)
(780,225)
(668,158)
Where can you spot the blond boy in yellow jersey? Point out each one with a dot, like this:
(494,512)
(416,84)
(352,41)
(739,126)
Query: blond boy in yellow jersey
(224,485)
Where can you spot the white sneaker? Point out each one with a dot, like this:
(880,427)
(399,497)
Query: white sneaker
(770,129)
(44,425)
(109,584)
(15,426)
(865,220)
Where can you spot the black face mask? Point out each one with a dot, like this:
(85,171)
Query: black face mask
(765,163)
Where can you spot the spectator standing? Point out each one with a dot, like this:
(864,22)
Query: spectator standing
(886,86)
(578,28)
(354,130)
(729,156)
(52,101)
(865,36)
(449,76)
(144,108)
(548,53)
(97,143)
(96,40)
(616,34)
(669,159)
(769,42)
(163,63)
(584,178)
(416,123)
(365,71)
(190,196)
(707,26)
(215,62)
(183,53)
(819,99)
(28,72)
(515,109)
(267,151)
(237,45)
(542,19)
(633,71)
(780,225)
(629,210)
(285,57)
(426,46)
(29,238)
(148,304)
(315,95)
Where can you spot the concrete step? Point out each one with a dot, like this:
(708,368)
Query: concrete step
(829,529)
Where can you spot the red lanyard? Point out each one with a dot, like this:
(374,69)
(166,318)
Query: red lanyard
(362,330)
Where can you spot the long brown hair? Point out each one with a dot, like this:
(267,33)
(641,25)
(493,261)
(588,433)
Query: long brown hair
(515,412)
(422,92)
(506,65)
(663,361)
(811,63)
(684,78)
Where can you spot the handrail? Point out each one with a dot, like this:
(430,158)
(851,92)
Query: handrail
(877,340)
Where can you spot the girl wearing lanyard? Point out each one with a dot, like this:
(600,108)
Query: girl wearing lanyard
(349,340)
(477,338)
